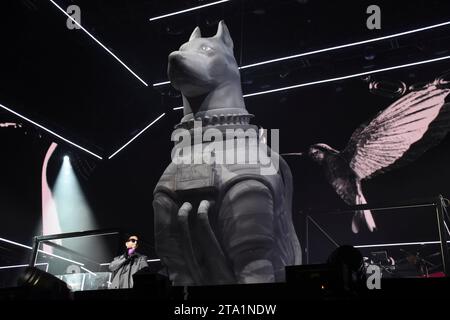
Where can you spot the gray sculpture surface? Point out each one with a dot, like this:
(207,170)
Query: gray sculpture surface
(216,222)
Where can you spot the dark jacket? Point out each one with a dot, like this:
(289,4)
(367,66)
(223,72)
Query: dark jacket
(124,267)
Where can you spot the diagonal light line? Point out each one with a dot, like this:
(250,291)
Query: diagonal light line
(95,39)
(15,266)
(352,44)
(340,78)
(346,77)
(22,265)
(15,243)
(149,260)
(178,108)
(187,10)
(50,131)
(62,258)
(42,251)
(347,45)
(132,139)
(398,244)
(160,83)
(89,271)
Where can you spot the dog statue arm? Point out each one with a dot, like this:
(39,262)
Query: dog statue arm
(246,221)
(168,242)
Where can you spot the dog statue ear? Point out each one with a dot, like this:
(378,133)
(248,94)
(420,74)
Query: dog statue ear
(224,35)
(195,34)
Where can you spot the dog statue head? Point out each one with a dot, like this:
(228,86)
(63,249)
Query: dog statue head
(206,73)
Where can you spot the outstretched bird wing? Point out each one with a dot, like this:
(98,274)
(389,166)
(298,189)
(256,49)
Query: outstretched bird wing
(400,133)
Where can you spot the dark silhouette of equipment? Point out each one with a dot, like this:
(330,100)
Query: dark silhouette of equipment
(41,285)
(347,269)
(414,265)
(343,273)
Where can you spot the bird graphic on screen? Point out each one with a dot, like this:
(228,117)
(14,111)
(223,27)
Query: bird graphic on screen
(396,136)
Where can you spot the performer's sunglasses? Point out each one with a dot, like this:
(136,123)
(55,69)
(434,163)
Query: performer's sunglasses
(132,240)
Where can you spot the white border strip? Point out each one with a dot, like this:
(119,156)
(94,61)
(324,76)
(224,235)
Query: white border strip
(187,10)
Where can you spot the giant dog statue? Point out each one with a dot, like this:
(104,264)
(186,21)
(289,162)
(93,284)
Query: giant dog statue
(220,223)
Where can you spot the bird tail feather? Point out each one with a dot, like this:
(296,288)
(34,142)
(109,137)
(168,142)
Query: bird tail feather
(362,216)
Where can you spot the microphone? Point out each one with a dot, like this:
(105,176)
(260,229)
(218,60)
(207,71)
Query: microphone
(130,252)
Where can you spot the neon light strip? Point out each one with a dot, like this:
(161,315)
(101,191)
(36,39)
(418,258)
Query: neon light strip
(149,260)
(160,83)
(398,244)
(346,77)
(142,131)
(30,248)
(341,78)
(21,266)
(94,274)
(187,10)
(332,48)
(346,45)
(82,283)
(50,131)
(62,258)
(93,38)
(15,243)
(16,266)
(178,108)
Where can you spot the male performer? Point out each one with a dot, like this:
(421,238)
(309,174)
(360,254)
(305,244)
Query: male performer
(124,266)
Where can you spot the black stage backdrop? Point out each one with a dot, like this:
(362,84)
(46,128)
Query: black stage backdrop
(65,81)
